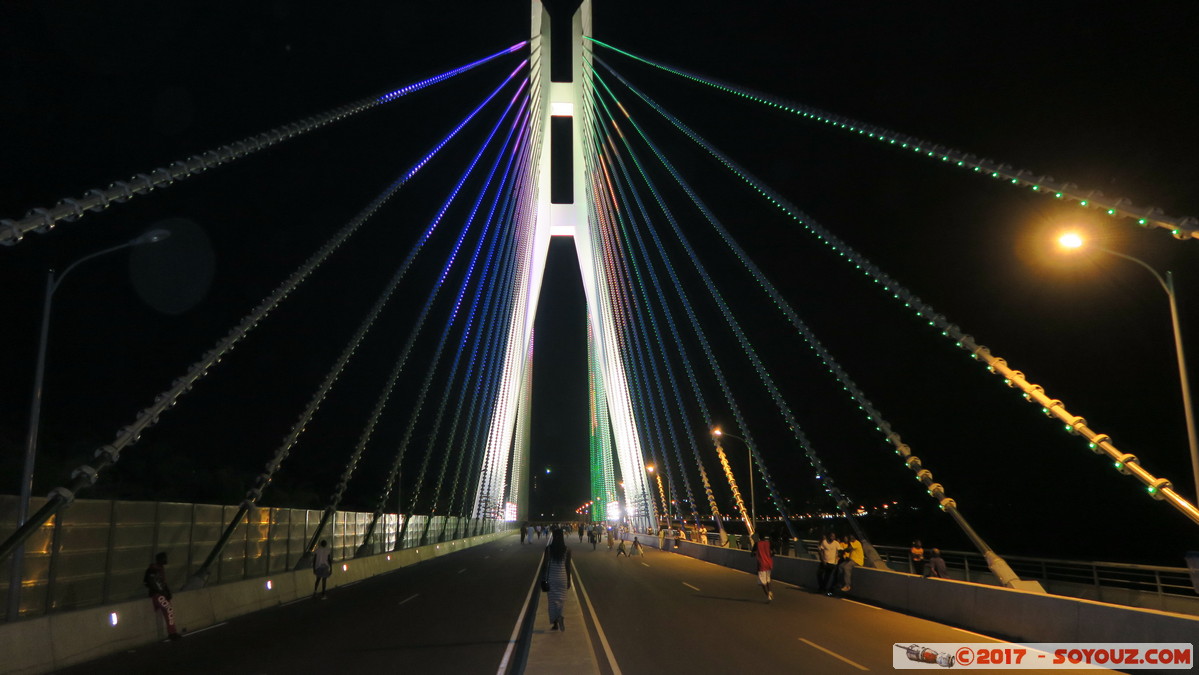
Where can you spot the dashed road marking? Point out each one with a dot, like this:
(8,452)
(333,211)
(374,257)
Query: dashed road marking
(833,654)
(690,586)
(413,597)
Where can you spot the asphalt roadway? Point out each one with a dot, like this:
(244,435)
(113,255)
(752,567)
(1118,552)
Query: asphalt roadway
(658,613)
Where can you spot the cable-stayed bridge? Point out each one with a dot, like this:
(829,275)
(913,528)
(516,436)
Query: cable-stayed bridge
(676,346)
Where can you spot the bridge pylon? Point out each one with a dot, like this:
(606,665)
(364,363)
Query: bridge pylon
(561,208)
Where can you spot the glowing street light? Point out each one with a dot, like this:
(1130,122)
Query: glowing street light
(1075,241)
(1071,240)
(717,433)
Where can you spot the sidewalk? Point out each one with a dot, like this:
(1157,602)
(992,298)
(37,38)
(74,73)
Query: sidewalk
(554,652)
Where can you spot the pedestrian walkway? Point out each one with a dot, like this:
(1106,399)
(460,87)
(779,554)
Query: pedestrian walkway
(554,652)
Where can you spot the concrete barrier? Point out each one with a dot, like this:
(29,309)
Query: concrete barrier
(63,639)
(1002,612)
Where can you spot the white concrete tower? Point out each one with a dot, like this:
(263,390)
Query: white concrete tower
(562,209)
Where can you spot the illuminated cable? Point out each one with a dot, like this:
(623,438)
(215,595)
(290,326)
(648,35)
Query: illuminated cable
(1099,443)
(264,479)
(1184,227)
(42,220)
(86,476)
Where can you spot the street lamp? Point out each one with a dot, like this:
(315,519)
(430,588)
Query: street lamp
(661,493)
(753,508)
(1073,240)
(35,407)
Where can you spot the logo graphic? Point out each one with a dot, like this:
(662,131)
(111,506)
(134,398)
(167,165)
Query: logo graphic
(926,655)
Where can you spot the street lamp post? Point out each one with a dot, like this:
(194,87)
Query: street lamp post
(35,409)
(1076,241)
(753,507)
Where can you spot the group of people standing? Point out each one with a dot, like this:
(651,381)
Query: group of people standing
(593,532)
(837,558)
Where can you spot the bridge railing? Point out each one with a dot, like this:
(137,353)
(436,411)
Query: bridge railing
(1148,586)
(97,551)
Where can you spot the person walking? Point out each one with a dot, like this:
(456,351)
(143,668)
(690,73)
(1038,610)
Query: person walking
(556,574)
(765,560)
(620,550)
(637,548)
(580,533)
(155,580)
(524,532)
(322,568)
(593,537)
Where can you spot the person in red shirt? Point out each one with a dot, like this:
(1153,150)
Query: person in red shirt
(765,564)
(155,580)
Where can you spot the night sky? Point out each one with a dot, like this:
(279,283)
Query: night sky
(1104,99)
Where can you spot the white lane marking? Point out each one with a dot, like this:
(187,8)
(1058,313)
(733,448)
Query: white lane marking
(598,629)
(645,564)
(461,570)
(862,604)
(690,586)
(520,618)
(197,632)
(834,654)
(989,637)
(411,598)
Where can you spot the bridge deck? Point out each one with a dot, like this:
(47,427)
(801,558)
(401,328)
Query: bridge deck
(661,613)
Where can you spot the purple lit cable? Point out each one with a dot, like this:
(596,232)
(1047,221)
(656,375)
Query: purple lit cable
(42,220)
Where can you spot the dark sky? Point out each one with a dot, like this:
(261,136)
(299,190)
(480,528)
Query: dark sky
(1101,99)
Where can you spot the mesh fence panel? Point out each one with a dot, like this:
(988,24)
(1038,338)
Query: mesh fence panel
(78,559)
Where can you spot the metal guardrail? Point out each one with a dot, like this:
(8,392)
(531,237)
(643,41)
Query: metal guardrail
(1145,586)
(1062,577)
(78,559)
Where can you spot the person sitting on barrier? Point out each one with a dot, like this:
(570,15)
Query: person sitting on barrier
(322,567)
(917,555)
(854,557)
(935,565)
(155,580)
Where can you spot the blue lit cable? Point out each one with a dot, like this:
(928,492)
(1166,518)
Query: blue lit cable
(85,476)
(414,333)
(455,362)
(42,220)
(264,478)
